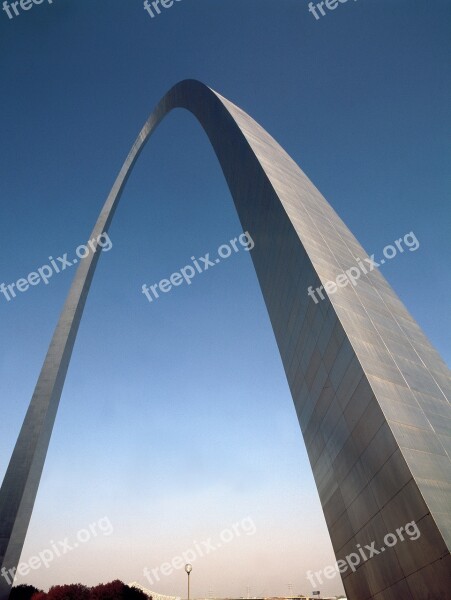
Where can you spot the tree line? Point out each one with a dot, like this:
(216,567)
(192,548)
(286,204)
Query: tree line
(115,590)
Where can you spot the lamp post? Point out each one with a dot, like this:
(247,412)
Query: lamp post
(188,569)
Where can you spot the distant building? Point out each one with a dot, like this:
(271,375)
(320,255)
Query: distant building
(152,594)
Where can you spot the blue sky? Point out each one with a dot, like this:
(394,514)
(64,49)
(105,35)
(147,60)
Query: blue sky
(176,420)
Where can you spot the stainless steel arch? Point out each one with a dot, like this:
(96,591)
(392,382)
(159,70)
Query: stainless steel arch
(369,389)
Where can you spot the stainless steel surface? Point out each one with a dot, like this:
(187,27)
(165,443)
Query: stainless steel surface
(370,392)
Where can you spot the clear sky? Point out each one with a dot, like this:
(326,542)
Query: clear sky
(176,421)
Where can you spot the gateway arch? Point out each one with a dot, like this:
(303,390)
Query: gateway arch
(370,391)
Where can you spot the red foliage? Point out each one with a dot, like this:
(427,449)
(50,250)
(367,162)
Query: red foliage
(74,591)
(115,590)
(108,591)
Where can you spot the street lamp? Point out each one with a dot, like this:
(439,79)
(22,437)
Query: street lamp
(188,569)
